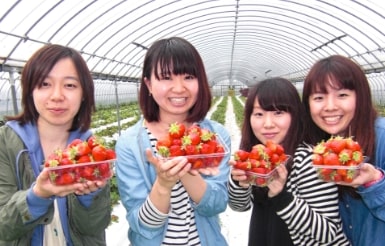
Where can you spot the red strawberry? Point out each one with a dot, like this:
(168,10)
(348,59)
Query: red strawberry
(84,159)
(89,173)
(104,170)
(206,148)
(111,154)
(176,150)
(65,178)
(176,130)
(241,155)
(99,153)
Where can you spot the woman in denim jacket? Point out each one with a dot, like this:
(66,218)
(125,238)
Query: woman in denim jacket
(338,101)
(167,203)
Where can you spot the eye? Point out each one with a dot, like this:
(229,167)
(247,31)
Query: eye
(71,85)
(343,95)
(317,97)
(44,84)
(189,77)
(279,112)
(258,114)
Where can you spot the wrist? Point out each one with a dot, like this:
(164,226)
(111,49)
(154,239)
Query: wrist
(378,179)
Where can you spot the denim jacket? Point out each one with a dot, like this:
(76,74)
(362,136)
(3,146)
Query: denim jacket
(364,219)
(136,176)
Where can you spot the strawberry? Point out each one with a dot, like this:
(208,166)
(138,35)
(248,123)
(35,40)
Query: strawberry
(197,163)
(317,159)
(64,179)
(207,135)
(176,150)
(84,159)
(111,154)
(94,141)
(345,155)
(206,148)
(336,144)
(176,130)
(191,149)
(241,155)
(81,149)
(191,138)
(89,173)
(331,159)
(104,170)
(99,153)
(164,142)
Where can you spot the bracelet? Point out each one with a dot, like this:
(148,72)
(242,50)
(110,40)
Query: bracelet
(366,185)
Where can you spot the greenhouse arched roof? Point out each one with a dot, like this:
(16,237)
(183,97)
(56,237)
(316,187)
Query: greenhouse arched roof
(240,40)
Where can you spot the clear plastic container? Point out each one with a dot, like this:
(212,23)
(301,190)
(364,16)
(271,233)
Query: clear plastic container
(79,173)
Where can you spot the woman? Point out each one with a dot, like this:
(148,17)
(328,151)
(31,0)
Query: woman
(167,203)
(58,100)
(296,208)
(338,101)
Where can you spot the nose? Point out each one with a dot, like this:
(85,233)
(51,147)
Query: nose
(268,122)
(178,83)
(330,103)
(57,93)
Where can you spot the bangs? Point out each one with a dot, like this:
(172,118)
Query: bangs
(273,100)
(336,76)
(178,60)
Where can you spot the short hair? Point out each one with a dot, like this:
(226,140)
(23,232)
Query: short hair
(346,74)
(182,57)
(35,72)
(274,94)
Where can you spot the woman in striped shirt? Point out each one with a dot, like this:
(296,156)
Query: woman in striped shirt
(296,208)
(167,203)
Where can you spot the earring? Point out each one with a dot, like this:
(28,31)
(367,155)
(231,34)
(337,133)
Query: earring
(149,94)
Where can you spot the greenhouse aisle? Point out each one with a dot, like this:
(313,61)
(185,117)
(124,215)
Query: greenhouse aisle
(234,224)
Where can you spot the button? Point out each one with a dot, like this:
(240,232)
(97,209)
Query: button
(350,227)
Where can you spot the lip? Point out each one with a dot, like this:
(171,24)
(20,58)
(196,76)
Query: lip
(56,110)
(269,135)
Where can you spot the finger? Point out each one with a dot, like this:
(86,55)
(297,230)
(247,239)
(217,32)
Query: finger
(151,157)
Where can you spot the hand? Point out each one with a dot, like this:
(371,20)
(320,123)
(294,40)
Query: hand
(279,181)
(170,171)
(91,186)
(239,175)
(209,171)
(366,174)
(45,189)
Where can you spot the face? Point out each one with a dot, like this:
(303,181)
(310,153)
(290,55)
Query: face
(175,94)
(59,98)
(269,125)
(333,111)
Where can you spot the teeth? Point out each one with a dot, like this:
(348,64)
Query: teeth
(332,119)
(178,100)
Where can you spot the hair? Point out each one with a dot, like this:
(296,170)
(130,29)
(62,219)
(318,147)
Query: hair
(36,71)
(181,56)
(342,73)
(274,94)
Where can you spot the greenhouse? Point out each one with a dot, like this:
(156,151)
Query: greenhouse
(241,43)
